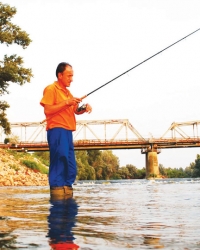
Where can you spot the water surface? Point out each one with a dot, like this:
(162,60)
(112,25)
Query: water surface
(130,214)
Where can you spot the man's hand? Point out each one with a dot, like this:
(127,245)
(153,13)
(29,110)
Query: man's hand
(85,108)
(73,101)
(88,108)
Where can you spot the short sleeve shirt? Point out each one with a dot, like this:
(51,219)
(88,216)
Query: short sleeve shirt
(54,94)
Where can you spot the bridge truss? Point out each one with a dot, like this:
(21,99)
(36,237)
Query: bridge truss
(92,134)
(183,129)
(104,134)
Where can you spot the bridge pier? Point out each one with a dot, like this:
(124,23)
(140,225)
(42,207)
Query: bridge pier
(151,160)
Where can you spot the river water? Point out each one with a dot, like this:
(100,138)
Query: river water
(130,214)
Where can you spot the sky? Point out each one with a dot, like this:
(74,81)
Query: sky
(101,39)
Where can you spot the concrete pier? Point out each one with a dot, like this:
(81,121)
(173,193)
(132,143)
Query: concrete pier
(151,160)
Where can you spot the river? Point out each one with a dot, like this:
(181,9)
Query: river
(125,214)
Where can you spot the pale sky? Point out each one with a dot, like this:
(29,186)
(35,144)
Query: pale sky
(103,38)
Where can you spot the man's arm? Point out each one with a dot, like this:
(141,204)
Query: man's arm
(55,108)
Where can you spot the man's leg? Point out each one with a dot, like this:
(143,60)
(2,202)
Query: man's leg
(59,148)
(62,170)
(71,162)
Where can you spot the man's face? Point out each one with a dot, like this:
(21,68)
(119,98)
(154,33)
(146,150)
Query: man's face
(66,77)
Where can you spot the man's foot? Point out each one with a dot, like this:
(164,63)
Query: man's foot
(60,193)
(68,190)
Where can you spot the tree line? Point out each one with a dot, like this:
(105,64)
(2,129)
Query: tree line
(104,165)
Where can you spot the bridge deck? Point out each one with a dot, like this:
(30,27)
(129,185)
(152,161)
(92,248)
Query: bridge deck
(110,144)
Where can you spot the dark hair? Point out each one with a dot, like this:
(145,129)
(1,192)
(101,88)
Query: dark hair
(61,67)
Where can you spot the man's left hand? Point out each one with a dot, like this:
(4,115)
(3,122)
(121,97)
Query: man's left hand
(88,108)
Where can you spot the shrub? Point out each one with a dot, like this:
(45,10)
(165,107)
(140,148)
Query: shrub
(35,166)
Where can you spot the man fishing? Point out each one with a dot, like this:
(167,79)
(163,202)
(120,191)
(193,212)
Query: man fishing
(60,108)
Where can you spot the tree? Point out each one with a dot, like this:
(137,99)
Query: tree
(141,173)
(162,170)
(132,171)
(11,67)
(94,158)
(123,172)
(111,164)
(85,171)
(195,166)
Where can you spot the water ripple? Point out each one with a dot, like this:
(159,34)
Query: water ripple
(132,214)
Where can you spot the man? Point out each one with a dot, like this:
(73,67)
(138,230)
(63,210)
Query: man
(60,108)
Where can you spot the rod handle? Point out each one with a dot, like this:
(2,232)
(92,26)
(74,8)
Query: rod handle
(83,97)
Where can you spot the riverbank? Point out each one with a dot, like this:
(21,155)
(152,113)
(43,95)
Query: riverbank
(14,173)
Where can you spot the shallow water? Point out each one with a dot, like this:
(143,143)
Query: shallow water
(131,214)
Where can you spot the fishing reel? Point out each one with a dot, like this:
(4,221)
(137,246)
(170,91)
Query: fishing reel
(81,108)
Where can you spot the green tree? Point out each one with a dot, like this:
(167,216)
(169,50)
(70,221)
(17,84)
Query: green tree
(132,171)
(111,164)
(162,170)
(123,172)
(103,162)
(94,158)
(188,171)
(141,173)
(176,173)
(85,171)
(195,166)
(11,67)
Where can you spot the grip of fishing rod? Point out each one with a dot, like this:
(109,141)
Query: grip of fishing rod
(83,97)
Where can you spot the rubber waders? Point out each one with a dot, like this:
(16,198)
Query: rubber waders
(59,193)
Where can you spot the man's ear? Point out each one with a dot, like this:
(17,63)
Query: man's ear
(60,75)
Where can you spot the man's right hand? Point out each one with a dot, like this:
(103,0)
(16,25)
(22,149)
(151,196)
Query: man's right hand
(73,101)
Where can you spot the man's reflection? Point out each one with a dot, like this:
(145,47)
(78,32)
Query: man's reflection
(61,220)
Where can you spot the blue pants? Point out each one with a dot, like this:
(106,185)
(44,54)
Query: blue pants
(62,169)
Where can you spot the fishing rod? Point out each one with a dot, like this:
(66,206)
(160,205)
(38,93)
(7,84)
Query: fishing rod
(139,64)
(129,70)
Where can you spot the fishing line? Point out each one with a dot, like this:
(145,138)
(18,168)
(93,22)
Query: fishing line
(139,64)
(128,70)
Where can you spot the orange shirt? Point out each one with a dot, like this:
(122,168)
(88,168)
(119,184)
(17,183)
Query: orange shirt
(54,94)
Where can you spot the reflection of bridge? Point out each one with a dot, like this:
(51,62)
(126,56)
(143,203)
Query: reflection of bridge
(107,134)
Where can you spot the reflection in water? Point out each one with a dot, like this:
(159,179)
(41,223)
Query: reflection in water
(6,239)
(61,220)
(121,215)
(153,206)
(23,213)
(153,239)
